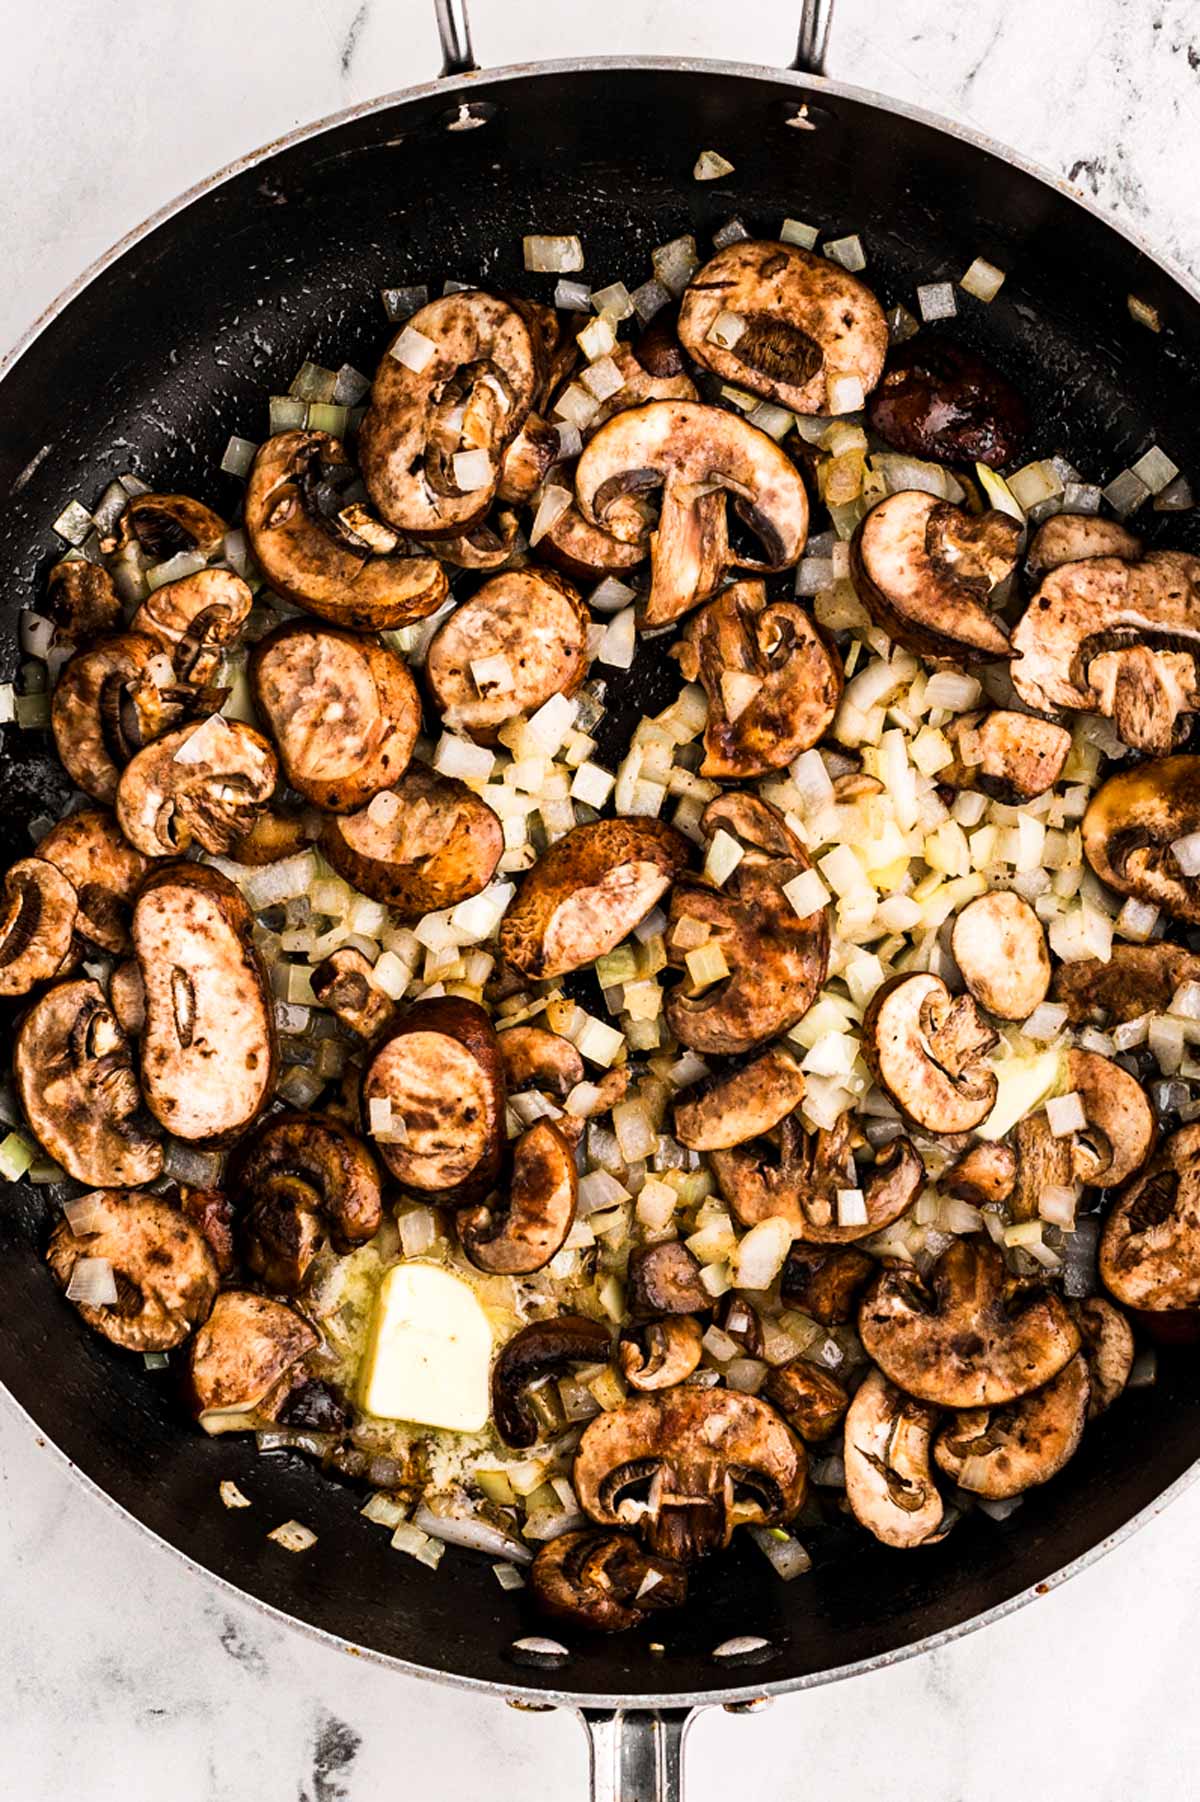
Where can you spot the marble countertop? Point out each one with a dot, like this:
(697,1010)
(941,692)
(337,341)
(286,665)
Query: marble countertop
(124,1677)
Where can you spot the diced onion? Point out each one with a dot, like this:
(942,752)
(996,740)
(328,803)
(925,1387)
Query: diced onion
(1065,1114)
(619,642)
(711,166)
(846,251)
(551,507)
(472,470)
(413,350)
(93,1283)
(726,329)
(1057,1204)
(794,231)
(573,297)
(844,393)
(982,279)
(936,301)
(760,1254)
(1186,852)
(460,757)
(560,254)
(603,379)
(597,339)
(1142,313)
(232,1496)
(786,1555)
(469,1531)
(1126,493)
(806,893)
(675,263)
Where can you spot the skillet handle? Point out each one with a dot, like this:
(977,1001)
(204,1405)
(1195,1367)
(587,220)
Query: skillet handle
(454,31)
(636,1755)
(812,42)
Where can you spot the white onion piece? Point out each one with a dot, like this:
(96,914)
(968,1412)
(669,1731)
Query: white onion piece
(560,254)
(467,1530)
(93,1283)
(413,350)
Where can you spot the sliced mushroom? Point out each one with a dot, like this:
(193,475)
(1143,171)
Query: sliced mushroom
(108,704)
(805,319)
(798,1181)
(1137,979)
(587,892)
(697,456)
(520,639)
(82,601)
(208,1048)
(472,393)
(664,1279)
(541,1207)
(489,545)
(777,960)
(1040,1162)
(1121,1126)
(343,711)
(1012,757)
(344,984)
(987,1172)
(603,1581)
(1150,1244)
(999,945)
(165,1277)
(941,402)
(299,1178)
(242,1362)
(925,572)
(77,1089)
(688,1466)
(969,1336)
(587,553)
(773,681)
(38,923)
(537,1351)
(1131,823)
(104,870)
(889,1480)
(929,1052)
(127,998)
(740,1321)
(309,540)
(537,1059)
(439,1067)
(1076,537)
(528,460)
(826,1281)
(212,1213)
(165,525)
(669,1353)
(739,1104)
(438,846)
(273,834)
(199,786)
(1001,1452)
(1116,637)
(810,1400)
(195,619)
(1108,1348)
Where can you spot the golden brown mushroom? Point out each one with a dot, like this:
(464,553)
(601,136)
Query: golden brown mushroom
(929,1053)
(1001,1452)
(925,571)
(520,639)
(162,1270)
(1132,822)
(302,1177)
(889,1481)
(202,786)
(436,846)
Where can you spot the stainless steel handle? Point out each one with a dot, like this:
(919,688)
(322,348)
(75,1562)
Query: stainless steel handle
(812,43)
(636,1756)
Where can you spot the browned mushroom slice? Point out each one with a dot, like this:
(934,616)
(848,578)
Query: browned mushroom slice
(299,1178)
(274,833)
(889,1481)
(541,1207)
(489,545)
(537,1059)
(810,1400)
(521,638)
(1108,1348)
(208,1048)
(941,402)
(1001,1452)
(199,786)
(1132,822)
(969,1337)
(987,1172)
(40,908)
(671,1351)
(162,1270)
(1150,1245)
(825,1281)
(739,1104)
(604,1582)
(539,1350)
(127,998)
(437,846)
(688,1466)
(1121,1127)
(587,892)
(805,320)
(195,619)
(242,1361)
(82,601)
(212,1213)
(1040,1162)
(697,456)
(799,1180)
(75,1080)
(1076,537)
(1010,756)
(343,711)
(1137,979)
(104,869)
(528,460)
(344,984)
(1116,637)
(777,960)
(929,1052)
(773,682)
(999,945)
(440,1071)
(585,552)
(165,525)
(478,366)
(925,571)
(664,1279)
(325,554)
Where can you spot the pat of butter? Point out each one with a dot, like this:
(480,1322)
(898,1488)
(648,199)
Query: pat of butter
(429,1351)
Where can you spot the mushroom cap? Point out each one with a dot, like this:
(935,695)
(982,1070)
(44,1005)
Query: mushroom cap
(440,1067)
(810,1400)
(939,401)
(1150,1243)
(187,789)
(1001,1452)
(74,1076)
(165,1275)
(299,1176)
(602,1581)
(38,924)
(163,525)
(88,710)
(343,710)
(1137,979)
(533,619)
(968,1337)
(542,1347)
(999,945)
(928,1052)
(96,858)
(439,847)
(274,833)
(889,1481)
(487,360)
(208,1047)
(673,1349)
(1076,537)
(739,1104)
(826,1280)
(194,619)
(543,1188)
(344,983)
(1121,1124)
(537,1059)
(82,600)
(240,1358)
(807,320)
(526,463)
(799,675)
(986,1172)
(1108,1348)
(664,1279)
(587,892)
(1130,825)
(305,556)
(800,1184)
(924,570)
(585,552)
(1012,757)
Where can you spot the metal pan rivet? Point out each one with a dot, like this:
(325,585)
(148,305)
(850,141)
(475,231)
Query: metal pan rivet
(747,1648)
(544,1654)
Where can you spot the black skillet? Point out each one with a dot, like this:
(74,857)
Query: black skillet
(176,339)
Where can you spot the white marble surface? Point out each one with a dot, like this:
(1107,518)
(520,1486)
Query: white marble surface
(122,1677)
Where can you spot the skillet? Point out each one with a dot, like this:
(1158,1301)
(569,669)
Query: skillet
(174,341)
